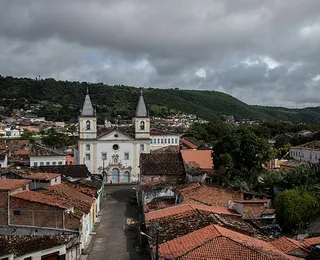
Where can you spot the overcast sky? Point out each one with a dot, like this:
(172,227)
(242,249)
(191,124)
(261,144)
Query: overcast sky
(264,52)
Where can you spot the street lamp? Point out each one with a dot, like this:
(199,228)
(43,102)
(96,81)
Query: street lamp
(156,240)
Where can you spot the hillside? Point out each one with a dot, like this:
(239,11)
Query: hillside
(61,100)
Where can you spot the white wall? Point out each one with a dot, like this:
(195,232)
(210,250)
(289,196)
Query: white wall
(199,178)
(148,196)
(307,155)
(160,141)
(37,255)
(47,159)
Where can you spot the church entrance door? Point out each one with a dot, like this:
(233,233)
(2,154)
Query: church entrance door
(126,176)
(115,175)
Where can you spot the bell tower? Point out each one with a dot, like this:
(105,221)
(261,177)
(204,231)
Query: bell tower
(141,120)
(87,120)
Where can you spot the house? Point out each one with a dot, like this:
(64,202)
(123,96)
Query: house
(254,209)
(3,160)
(163,167)
(37,180)
(216,242)
(44,156)
(71,172)
(40,247)
(83,206)
(199,165)
(308,152)
(289,165)
(291,247)
(160,139)
(192,231)
(189,143)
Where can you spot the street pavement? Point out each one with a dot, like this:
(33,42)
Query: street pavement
(110,241)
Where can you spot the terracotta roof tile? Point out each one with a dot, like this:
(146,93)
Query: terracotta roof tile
(188,144)
(161,164)
(40,175)
(180,209)
(79,200)
(311,241)
(38,150)
(288,245)
(22,245)
(210,195)
(10,184)
(201,158)
(74,171)
(214,242)
(43,199)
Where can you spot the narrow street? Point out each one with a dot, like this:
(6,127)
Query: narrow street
(110,241)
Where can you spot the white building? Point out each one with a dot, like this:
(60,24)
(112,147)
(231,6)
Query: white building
(160,140)
(43,156)
(309,152)
(113,152)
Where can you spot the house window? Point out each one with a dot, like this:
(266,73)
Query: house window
(172,140)
(141,147)
(35,164)
(154,141)
(104,156)
(151,141)
(59,163)
(88,147)
(16,213)
(54,163)
(158,141)
(142,125)
(88,125)
(162,140)
(41,163)
(47,163)
(88,157)
(165,140)
(176,140)
(126,156)
(168,140)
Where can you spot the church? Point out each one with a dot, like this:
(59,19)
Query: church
(113,152)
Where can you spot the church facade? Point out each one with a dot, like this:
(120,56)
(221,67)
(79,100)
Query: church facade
(113,152)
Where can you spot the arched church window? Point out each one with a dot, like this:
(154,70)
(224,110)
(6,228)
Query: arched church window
(142,125)
(88,125)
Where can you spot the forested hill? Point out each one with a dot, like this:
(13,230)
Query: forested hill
(61,100)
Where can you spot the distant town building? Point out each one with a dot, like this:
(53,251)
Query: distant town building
(309,152)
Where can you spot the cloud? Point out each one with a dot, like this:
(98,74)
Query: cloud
(262,52)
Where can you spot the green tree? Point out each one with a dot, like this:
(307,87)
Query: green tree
(294,208)
(239,157)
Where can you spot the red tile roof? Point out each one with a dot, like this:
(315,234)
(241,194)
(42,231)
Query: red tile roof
(10,184)
(77,199)
(188,144)
(181,209)
(288,245)
(201,158)
(210,195)
(43,199)
(311,241)
(214,242)
(41,175)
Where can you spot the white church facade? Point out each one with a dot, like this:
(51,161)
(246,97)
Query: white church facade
(113,152)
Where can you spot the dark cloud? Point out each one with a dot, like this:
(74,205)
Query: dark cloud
(262,52)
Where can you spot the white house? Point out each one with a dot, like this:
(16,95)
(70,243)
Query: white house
(113,152)
(159,140)
(309,152)
(43,156)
